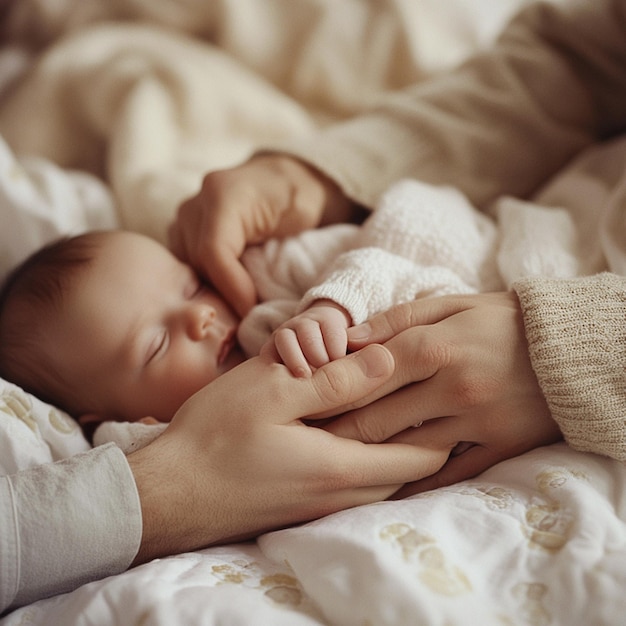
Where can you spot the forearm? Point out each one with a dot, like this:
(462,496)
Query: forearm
(184,502)
(503,123)
(65,524)
(576,331)
(170,521)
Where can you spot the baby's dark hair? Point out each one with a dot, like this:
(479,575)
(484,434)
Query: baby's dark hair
(29,294)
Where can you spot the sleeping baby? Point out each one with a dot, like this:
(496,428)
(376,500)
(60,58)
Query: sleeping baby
(111,327)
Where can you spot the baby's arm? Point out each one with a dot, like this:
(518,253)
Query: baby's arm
(312,338)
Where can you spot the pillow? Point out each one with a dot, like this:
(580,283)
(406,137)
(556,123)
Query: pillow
(33,432)
(40,202)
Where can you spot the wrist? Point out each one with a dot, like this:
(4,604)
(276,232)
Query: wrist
(167,502)
(184,499)
(331,304)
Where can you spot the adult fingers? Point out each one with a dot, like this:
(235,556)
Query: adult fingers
(211,241)
(231,279)
(221,266)
(467,465)
(344,381)
(381,419)
(386,464)
(415,393)
(420,312)
(260,391)
(175,240)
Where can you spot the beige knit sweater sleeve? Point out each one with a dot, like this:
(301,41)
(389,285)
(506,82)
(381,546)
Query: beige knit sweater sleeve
(576,331)
(503,124)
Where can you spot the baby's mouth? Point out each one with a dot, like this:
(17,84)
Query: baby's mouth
(227,346)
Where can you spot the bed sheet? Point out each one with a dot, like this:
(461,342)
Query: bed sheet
(534,541)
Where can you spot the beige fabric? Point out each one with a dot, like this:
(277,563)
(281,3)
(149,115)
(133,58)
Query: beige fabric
(151,109)
(577,332)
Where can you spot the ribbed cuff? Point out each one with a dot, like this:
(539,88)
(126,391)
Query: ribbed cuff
(576,331)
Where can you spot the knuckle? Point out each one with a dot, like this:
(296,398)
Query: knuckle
(433,349)
(395,320)
(361,424)
(309,336)
(428,351)
(335,387)
(370,431)
(402,315)
(471,389)
(213,179)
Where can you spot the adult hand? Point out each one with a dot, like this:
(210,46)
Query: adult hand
(237,460)
(271,195)
(472,381)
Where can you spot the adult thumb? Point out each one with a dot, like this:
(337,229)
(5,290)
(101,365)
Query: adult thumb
(340,384)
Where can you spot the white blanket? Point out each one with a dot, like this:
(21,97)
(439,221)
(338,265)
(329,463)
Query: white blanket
(535,541)
(144,108)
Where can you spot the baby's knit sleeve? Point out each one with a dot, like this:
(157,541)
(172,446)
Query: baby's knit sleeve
(422,240)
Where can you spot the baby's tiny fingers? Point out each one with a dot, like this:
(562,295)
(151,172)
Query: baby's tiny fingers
(311,342)
(335,340)
(288,348)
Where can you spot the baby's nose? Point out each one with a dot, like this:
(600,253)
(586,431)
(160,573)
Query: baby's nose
(200,319)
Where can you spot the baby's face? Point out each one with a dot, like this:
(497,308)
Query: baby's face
(140,333)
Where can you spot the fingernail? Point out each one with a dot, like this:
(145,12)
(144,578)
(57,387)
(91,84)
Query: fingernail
(360,332)
(372,362)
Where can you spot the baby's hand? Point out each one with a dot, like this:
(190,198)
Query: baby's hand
(313,338)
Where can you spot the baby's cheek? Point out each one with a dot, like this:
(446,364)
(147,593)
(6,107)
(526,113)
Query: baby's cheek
(188,380)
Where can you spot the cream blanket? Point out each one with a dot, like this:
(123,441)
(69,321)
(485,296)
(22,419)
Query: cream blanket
(151,104)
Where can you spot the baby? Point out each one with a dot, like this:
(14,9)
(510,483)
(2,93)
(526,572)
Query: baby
(111,326)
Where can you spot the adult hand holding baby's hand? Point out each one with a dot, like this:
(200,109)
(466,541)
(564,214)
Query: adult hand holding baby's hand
(468,360)
(271,195)
(237,460)
(312,338)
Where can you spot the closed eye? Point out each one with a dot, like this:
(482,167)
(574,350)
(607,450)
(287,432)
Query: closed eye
(158,346)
